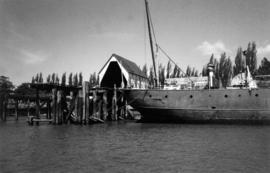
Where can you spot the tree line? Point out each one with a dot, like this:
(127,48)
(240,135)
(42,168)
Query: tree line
(75,79)
(224,67)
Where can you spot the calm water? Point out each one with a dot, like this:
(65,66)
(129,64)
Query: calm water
(134,147)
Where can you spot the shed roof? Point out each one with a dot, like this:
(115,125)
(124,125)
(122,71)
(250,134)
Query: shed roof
(130,66)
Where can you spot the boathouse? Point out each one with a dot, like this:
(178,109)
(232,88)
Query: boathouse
(123,73)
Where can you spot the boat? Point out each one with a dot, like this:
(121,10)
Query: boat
(235,105)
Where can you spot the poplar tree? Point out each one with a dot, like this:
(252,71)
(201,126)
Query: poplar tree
(75,80)
(63,81)
(264,68)
(70,82)
(80,79)
(239,62)
(144,69)
(168,70)
(48,79)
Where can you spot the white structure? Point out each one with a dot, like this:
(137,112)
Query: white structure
(186,83)
(122,73)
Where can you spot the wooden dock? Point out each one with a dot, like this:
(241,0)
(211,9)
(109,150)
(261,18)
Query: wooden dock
(68,104)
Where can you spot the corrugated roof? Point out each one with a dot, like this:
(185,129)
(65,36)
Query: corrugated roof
(130,66)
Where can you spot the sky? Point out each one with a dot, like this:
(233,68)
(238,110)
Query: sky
(57,36)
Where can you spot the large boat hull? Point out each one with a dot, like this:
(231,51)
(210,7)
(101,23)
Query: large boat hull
(202,106)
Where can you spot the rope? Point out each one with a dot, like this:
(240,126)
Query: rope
(173,62)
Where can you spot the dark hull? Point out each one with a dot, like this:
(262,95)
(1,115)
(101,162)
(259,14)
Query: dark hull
(202,106)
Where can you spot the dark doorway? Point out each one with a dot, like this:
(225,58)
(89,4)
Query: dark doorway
(113,76)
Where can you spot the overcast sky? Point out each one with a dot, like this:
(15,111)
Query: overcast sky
(80,35)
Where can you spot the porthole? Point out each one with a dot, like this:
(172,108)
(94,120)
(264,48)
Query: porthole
(226,96)
(257,95)
(239,95)
(150,95)
(191,96)
(166,96)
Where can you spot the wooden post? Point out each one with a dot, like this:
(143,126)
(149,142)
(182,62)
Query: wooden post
(1,107)
(4,110)
(85,102)
(59,112)
(99,106)
(80,106)
(54,100)
(104,106)
(37,106)
(94,103)
(16,109)
(28,108)
(114,104)
(49,116)
(71,106)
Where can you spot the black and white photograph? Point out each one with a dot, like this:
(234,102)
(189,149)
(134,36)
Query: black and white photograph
(135,86)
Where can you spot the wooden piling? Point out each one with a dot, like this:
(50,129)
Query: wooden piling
(16,109)
(94,103)
(49,110)
(85,103)
(37,106)
(59,112)
(28,108)
(79,106)
(114,104)
(54,102)
(104,106)
(1,107)
(4,110)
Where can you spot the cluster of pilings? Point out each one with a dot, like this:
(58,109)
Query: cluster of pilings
(80,105)
(16,105)
(59,104)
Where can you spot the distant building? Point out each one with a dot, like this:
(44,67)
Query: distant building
(186,83)
(123,73)
(263,81)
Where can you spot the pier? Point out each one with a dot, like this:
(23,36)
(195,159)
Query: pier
(67,104)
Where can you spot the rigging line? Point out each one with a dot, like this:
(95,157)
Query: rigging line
(152,27)
(173,62)
(144,35)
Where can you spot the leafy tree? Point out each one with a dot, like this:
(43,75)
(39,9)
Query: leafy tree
(151,77)
(174,73)
(225,70)
(239,66)
(63,81)
(57,81)
(161,74)
(53,78)
(70,82)
(144,69)
(75,80)
(93,80)
(204,71)
(251,57)
(37,78)
(48,79)
(80,79)
(25,89)
(40,78)
(33,80)
(6,85)
(168,70)
(188,71)
(264,68)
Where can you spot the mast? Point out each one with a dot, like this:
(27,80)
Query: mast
(151,42)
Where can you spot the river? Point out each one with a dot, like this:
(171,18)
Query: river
(134,147)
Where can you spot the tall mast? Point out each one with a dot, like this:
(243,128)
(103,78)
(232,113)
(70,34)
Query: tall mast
(151,42)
